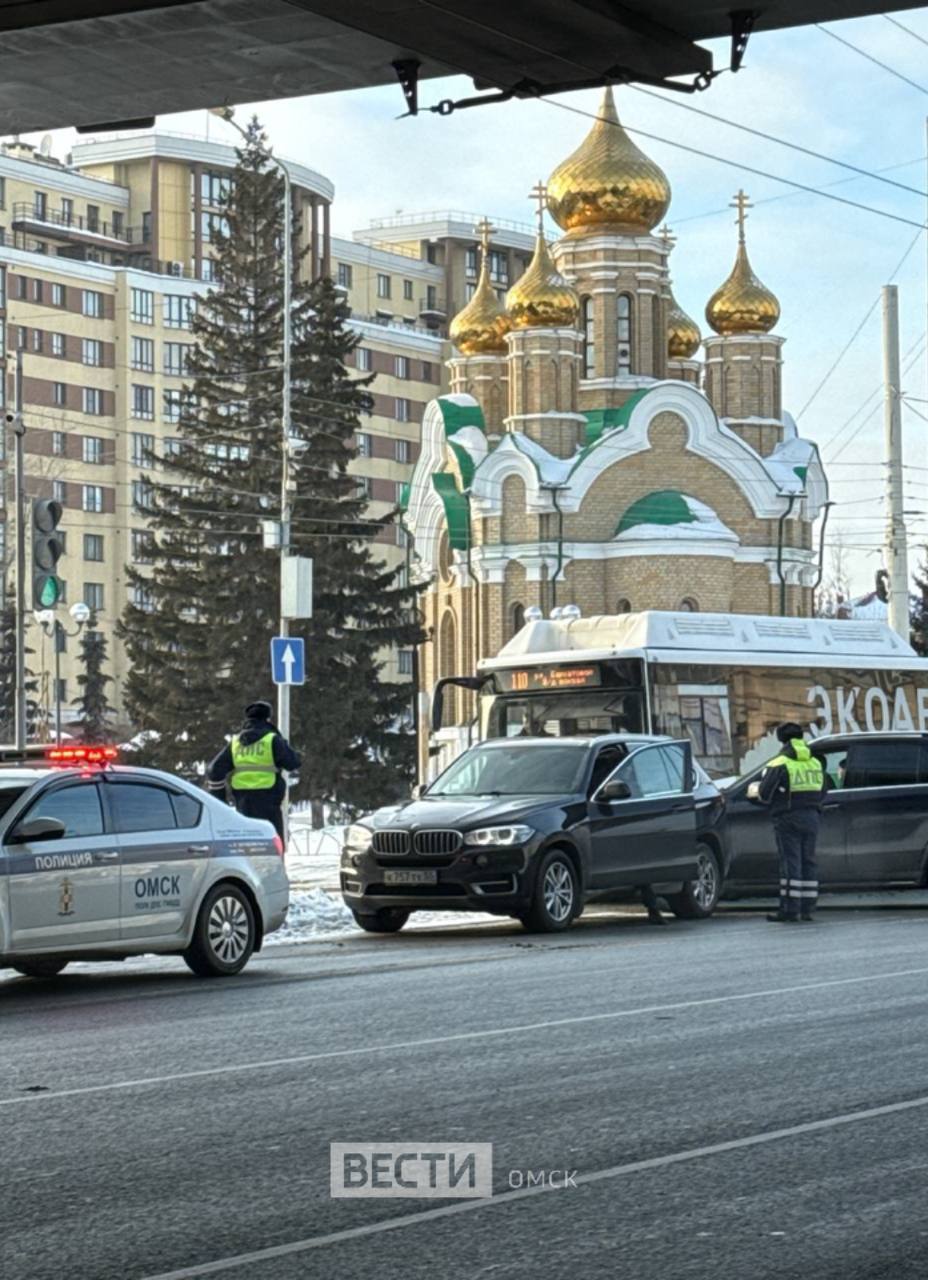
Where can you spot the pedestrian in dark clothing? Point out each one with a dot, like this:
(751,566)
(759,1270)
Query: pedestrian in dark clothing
(793,785)
(253,765)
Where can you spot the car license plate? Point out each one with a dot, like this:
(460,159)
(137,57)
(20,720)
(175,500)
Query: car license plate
(410,877)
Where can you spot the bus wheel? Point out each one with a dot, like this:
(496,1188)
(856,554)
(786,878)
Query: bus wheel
(699,898)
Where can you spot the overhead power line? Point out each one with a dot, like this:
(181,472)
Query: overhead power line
(870,58)
(907,30)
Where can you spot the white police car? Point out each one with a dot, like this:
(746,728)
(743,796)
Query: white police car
(100,862)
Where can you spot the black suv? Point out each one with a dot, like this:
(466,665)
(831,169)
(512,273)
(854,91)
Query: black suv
(535,827)
(874,831)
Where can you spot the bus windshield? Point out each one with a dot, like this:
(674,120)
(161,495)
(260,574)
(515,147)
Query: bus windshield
(516,769)
(565,715)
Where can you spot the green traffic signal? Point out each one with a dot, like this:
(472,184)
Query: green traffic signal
(47,549)
(49,593)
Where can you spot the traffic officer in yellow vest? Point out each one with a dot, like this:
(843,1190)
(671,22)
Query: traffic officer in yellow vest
(253,764)
(793,785)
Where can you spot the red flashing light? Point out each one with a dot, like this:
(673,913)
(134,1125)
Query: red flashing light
(279,845)
(81,755)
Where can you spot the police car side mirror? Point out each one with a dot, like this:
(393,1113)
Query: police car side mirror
(37,829)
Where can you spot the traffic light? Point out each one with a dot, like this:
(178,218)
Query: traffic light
(47,547)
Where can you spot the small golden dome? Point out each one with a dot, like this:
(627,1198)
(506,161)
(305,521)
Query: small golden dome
(743,304)
(480,328)
(683,336)
(607,181)
(542,298)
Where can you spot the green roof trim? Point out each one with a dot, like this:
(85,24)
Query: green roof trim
(457,510)
(455,416)
(599,421)
(405,493)
(801,472)
(666,506)
(465,462)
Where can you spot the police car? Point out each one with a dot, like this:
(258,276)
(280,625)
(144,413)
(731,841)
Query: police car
(100,861)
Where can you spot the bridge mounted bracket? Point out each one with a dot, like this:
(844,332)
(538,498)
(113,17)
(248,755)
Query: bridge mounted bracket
(407,72)
(742,24)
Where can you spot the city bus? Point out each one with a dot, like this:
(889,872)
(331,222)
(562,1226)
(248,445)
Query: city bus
(725,681)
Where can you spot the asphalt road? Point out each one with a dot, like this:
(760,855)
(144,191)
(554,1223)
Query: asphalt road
(736,1099)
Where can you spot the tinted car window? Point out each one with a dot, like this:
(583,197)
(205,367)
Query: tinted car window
(882,764)
(7,797)
(675,762)
(186,810)
(140,807)
(646,773)
(536,769)
(607,760)
(77,807)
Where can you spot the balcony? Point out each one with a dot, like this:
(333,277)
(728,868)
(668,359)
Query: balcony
(433,313)
(55,225)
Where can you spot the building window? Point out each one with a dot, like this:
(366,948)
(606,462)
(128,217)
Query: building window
(92,400)
(364,486)
(146,226)
(143,306)
(93,596)
(143,355)
(402,410)
(92,497)
(364,359)
(499,267)
(58,344)
(178,311)
(92,304)
(426,371)
(143,402)
(38,290)
(174,403)
(622,605)
(403,450)
(37,341)
(470,261)
(364,443)
(404,662)
(141,598)
(176,355)
(22,288)
(2,193)
(40,205)
(689,605)
(407,291)
(624,334)
(142,495)
(93,550)
(93,217)
(92,449)
(58,436)
(117,224)
(91,351)
(60,490)
(58,295)
(213,226)
(383,286)
(67,211)
(142,448)
(22,333)
(401,366)
(60,396)
(143,546)
(344,274)
(215,187)
(589,351)
(516,619)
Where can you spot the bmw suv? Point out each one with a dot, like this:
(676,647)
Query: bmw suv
(535,827)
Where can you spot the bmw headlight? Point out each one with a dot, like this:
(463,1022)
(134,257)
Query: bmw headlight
(357,839)
(502,837)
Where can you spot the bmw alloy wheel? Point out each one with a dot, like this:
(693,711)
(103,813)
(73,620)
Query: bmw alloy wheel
(706,884)
(228,929)
(558,890)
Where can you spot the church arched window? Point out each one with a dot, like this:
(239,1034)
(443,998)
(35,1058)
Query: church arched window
(623,334)
(689,605)
(516,619)
(589,350)
(623,605)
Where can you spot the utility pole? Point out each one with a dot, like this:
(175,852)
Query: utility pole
(19,500)
(896,549)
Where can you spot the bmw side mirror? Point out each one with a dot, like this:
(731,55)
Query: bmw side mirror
(614,789)
(418,791)
(37,829)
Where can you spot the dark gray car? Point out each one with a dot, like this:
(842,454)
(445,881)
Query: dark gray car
(874,831)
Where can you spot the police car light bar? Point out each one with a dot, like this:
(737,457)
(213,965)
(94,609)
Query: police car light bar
(81,755)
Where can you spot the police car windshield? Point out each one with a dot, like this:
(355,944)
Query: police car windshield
(514,770)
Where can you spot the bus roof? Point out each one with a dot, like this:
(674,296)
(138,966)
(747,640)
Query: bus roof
(740,638)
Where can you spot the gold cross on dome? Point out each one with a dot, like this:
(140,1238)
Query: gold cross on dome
(485,230)
(539,193)
(742,203)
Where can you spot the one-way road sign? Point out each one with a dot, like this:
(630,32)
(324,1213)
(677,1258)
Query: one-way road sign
(288,661)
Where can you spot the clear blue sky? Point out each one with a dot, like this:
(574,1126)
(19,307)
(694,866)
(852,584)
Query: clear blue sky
(825,261)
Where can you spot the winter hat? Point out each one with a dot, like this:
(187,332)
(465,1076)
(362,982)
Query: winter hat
(786,732)
(258,711)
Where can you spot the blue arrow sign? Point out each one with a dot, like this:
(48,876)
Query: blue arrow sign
(288,660)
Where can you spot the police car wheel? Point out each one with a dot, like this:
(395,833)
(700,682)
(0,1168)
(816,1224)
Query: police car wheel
(699,897)
(49,968)
(387,920)
(224,937)
(555,902)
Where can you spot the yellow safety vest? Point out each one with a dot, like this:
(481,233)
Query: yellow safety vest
(805,773)
(253,767)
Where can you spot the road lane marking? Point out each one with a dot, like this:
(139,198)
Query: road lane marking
(486,1033)
(508,1197)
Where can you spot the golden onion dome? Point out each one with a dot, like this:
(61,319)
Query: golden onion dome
(542,298)
(608,181)
(480,328)
(743,304)
(683,336)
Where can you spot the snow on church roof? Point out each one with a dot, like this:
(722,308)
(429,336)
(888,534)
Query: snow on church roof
(666,513)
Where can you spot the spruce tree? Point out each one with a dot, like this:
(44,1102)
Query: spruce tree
(198,633)
(8,674)
(94,718)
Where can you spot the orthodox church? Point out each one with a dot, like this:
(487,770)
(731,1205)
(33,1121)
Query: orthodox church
(585,456)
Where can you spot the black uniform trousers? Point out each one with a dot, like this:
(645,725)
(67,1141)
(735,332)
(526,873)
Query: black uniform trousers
(260,803)
(797,833)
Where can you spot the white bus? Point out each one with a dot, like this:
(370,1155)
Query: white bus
(722,680)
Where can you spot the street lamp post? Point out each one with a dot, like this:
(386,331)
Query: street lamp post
(283,690)
(51,625)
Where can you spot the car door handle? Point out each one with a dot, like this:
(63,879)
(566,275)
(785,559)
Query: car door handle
(834,805)
(198,848)
(681,808)
(109,856)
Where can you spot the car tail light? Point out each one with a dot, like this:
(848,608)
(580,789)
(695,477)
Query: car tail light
(81,755)
(278,845)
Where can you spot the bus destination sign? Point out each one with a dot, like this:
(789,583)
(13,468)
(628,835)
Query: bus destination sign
(528,679)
